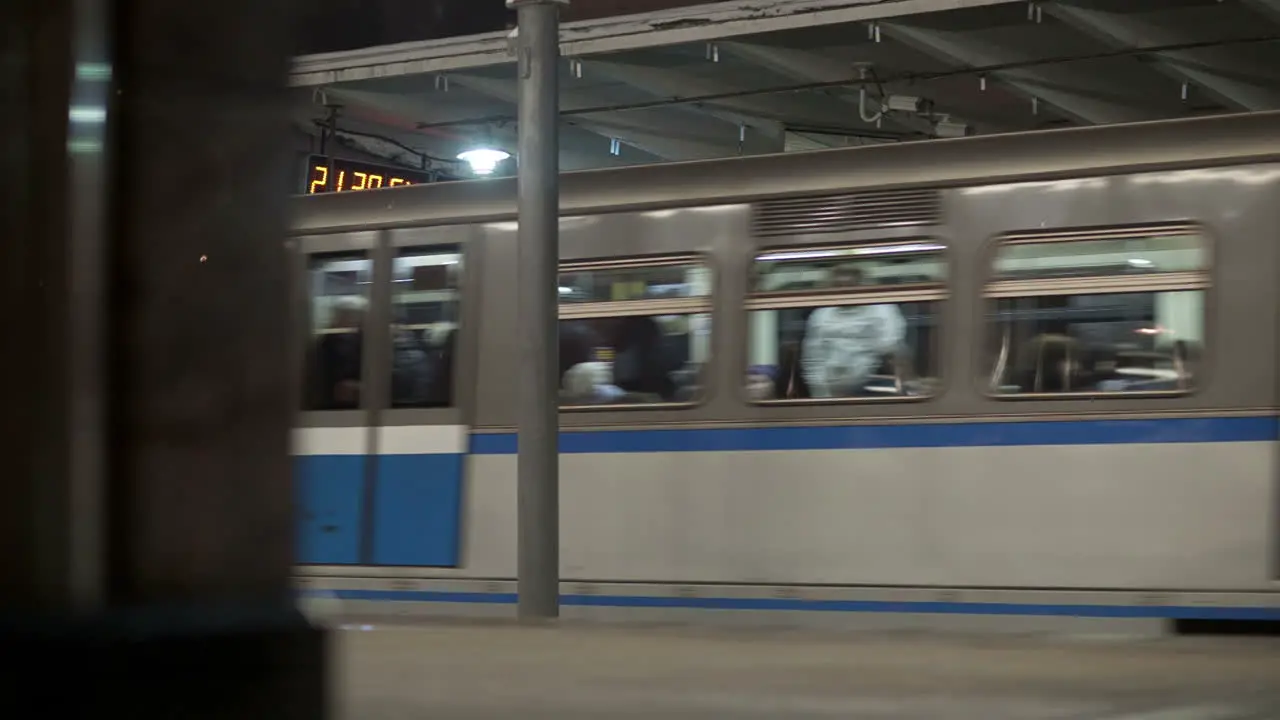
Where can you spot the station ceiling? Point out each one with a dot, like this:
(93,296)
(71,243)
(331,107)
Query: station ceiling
(757,76)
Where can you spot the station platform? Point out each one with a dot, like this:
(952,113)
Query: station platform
(577,671)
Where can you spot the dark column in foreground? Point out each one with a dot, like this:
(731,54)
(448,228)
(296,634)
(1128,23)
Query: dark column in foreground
(146,525)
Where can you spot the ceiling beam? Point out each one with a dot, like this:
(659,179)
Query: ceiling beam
(1055,86)
(580,149)
(810,67)
(1191,66)
(640,134)
(762,114)
(407,110)
(644,129)
(704,22)
(806,141)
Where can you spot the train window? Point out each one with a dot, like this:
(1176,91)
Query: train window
(847,323)
(424,322)
(1102,257)
(338,286)
(634,332)
(1097,313)
(888,265)
(609,284)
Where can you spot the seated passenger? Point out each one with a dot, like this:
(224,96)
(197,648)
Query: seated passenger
(688,381)
(337,362)
(577,344)
(442,381)
(422,367)
(760,383)
(1162,369)
(643,365)
(412,370)
(789,381)
(589,383)
(1053,363)
(844,345)
(1186,358)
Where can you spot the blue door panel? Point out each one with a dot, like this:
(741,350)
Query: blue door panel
(417,505)
(330,492)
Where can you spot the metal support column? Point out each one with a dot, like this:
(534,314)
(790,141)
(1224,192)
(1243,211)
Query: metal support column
(538,51)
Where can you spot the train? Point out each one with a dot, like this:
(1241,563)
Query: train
(999,381)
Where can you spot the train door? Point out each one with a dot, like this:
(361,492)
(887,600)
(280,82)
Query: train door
(421,436)
(333,435)
(380,442)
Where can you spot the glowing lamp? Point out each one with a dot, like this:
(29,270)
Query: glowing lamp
(483,161)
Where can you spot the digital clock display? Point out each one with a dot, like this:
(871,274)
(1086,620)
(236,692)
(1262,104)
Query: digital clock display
(326,174)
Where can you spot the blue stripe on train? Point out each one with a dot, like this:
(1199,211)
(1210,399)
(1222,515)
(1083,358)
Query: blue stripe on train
(1171,612)
(415,514)
(927,435)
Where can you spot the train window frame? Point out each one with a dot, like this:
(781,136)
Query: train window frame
(1174,281)
(417,246)
(305,249)
(939,292)
(686,306)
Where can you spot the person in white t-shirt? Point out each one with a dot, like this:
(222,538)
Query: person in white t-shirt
(845,344)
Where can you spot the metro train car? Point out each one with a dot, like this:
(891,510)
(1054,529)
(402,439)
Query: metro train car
(1005,381)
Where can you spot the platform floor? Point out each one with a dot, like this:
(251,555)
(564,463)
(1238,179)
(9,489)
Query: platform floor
(575,672)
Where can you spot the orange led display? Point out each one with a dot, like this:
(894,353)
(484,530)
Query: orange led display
(325,175)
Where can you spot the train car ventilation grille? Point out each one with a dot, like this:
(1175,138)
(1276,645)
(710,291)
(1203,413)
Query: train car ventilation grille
(848,211)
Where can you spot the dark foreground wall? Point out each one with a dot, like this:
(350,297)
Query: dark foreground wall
(145,506)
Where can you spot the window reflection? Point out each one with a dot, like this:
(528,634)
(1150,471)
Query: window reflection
(611,284)
(1103,257)
(338,289)
(889,265)
(1097,313)
(424,313)
(1104,343)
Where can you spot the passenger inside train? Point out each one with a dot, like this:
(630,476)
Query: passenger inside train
(1088,327)
(629,360)
(336,368)
(424,307)
(424,314)
(1073,314)
(826,323)
(621,354)
(844,344)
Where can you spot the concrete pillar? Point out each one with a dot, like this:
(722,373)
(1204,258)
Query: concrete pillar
(146,507)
